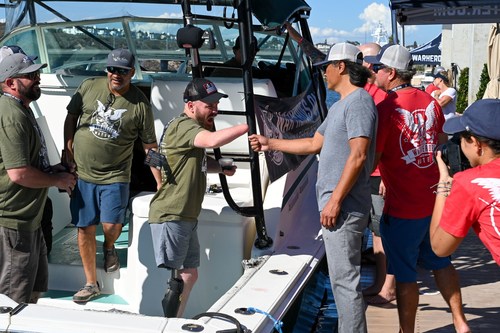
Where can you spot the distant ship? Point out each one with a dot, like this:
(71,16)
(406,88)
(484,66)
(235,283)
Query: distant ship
(380,35)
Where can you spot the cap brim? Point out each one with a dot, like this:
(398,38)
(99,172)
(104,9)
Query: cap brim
(374,60)
(454,125)
(32,68)
(215,97)
(321,63)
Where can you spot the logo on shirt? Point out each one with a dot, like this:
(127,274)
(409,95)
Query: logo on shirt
(106,121)
(493,187)
(418,135)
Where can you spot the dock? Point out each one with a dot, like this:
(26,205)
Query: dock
(480,283)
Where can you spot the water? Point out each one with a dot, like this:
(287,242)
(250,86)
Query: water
(316,311)
(331,97)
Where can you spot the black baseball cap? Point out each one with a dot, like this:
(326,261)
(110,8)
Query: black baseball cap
(121,58)
(200,89)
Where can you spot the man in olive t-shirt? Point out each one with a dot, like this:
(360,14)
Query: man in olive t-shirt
(105,117)
(174,209)
(25,175)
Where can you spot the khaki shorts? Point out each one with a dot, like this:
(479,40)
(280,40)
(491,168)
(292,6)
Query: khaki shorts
(23,263)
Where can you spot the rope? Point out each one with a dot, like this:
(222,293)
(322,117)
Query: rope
(278,324)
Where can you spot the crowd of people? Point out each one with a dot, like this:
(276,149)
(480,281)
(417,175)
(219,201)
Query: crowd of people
(378,169)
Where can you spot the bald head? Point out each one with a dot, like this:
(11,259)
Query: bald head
(369,49)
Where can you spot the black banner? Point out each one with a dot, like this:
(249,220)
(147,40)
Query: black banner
(287,118)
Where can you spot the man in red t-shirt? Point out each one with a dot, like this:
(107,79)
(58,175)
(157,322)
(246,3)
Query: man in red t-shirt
(409,128)
(383,289)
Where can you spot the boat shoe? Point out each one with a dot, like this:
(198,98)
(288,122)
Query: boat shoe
(111,260)
(88,292)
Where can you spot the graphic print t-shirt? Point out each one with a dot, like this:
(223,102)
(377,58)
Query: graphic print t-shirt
(107,130)
(410,121)
(475,201)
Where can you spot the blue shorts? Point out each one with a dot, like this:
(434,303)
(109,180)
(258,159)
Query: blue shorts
(92,203)
(176,244)
(407,244)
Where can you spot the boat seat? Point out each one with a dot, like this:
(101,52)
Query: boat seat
(167,102)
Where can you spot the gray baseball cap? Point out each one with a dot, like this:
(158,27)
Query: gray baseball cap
(17,63)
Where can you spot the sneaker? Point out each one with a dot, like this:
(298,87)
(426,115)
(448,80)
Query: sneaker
(88,292)
(111,261)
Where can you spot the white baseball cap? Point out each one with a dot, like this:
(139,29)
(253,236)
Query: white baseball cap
(392,55)
(343,51)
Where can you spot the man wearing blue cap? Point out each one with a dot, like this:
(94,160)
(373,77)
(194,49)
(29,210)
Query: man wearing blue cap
(111,114)
(25,176)
(346,143)
(472,197)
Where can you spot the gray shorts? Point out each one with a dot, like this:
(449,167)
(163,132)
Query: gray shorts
(176,244)
(23,263)
(377,206)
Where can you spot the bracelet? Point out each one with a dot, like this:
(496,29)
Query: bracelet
(300,40)
(443,193)
(446,184)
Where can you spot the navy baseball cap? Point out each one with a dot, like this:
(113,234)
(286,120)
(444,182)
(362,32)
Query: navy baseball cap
(200,89)
(481,118)
(121,58)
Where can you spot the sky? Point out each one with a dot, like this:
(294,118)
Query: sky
(330,20)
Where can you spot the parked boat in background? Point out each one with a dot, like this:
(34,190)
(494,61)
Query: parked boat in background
(260,240)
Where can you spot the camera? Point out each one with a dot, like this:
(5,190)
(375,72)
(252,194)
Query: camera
(452,155)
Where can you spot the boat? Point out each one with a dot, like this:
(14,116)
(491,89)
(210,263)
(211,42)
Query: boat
(259,231)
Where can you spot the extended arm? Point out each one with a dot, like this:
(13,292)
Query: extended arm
(309,49)
(208,139)
(303,146)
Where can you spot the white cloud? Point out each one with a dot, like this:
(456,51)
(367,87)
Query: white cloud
(371,16)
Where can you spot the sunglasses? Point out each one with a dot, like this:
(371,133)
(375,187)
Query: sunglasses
(376,68)
(30,76)
(117,70)
(325,66)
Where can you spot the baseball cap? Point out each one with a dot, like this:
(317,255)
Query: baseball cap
(343,51)
(121,58)
(438,69)
(392,55)
(200,89)
(11,49)
(17,63)
(481,118)
(237,44)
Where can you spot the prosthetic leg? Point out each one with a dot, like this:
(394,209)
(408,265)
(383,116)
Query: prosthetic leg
(173,295)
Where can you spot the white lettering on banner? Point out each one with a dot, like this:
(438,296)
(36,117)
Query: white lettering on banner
(467,11)
(426,57)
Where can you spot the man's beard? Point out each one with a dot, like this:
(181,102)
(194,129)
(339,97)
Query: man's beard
(32,92)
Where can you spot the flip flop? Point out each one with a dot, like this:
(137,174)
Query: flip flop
(379,300)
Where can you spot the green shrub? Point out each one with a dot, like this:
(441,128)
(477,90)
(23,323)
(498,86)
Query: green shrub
(483,81)
(463,90)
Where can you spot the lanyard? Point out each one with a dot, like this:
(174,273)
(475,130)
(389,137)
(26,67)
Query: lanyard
(401,86)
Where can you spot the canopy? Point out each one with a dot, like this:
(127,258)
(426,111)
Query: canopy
(429,53)
(412,12)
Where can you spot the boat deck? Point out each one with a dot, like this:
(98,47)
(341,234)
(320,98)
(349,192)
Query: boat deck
(480,282)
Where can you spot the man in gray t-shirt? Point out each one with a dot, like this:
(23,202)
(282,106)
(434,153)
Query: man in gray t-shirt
(346,141)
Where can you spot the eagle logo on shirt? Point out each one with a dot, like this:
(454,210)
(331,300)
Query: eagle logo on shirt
(418,135)
(493,187)
(106,121)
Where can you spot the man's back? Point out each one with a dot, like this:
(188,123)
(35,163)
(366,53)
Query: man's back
(410,122)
